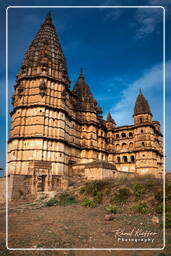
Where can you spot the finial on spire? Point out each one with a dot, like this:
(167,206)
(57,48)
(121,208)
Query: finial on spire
(81,73)
(140,91)
(48,19)
(49,14)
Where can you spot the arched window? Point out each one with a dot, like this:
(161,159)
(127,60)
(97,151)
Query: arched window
(142,131)
(143,144)
(118,159)
(141,120)
(132,159)
(117,136)
(130,134)
(125,159)
(123,135)
(123,145)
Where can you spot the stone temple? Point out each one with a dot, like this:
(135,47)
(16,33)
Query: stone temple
(58,134)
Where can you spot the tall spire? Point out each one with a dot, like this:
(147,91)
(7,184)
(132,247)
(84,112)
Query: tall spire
(45,56)
(85,102)
(141,105)
(81,89)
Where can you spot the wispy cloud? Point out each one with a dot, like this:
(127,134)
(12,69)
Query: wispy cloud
(31,18)
(113,14)
(151,83)
(147,20)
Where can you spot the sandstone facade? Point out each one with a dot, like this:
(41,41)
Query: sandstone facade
(53,127)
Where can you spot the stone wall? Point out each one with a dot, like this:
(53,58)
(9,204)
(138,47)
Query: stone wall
(19,187)
(99,173)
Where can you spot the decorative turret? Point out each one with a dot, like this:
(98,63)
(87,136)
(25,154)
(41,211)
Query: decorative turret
(45,56)
(142,112)
(110,122)
(85,102)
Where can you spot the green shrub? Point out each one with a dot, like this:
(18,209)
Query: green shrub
(159,196)
(168,220)
(123,195)
(112,209)
(168,190)
(93,187)
(88,203)
(168,209)
(138,189)
(159,209)
(66,199)
(98,197)
(53,201)
(150,183)
(141,208)
(107,191)
(82,190)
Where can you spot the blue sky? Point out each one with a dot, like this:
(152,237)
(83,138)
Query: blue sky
(119,49)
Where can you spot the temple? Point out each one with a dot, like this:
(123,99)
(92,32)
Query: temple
(58,133)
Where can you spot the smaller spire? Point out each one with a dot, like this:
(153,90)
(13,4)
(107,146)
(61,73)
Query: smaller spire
(141,105)
(109,117)
(110,122)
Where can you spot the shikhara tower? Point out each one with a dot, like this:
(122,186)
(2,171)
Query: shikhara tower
(53,128)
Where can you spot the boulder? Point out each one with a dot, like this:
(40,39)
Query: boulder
(109,217)
(155,220)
